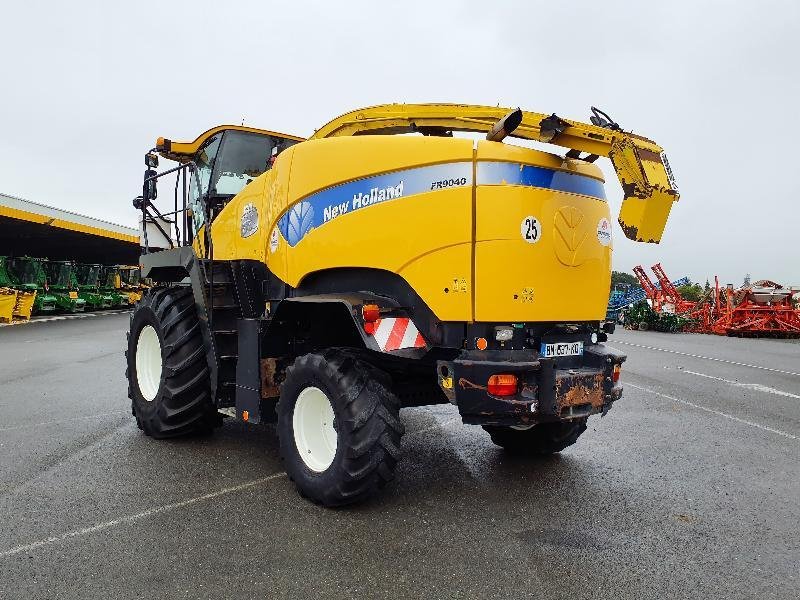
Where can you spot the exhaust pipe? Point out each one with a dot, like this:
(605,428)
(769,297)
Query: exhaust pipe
(505,126)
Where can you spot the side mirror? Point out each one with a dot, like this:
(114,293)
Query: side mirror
(151,160)
(149,189)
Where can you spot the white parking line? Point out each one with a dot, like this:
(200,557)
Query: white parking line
(756,387)
(729,362)
(167,507)
(137,516)
(714,412)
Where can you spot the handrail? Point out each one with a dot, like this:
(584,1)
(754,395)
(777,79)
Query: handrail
(151,213)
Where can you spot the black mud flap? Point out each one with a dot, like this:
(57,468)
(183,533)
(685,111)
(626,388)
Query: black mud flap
(248,371)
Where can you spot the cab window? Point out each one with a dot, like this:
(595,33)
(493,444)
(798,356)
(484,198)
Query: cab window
(243,157)
(199,182)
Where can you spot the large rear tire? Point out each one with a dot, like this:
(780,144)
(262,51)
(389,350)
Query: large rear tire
(541,440)
(168,375)
(339,428)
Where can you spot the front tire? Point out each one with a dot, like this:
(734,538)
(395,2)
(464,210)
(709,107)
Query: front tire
(539,440)
(168,375)
(339,428)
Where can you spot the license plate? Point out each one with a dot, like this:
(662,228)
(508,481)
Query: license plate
(73,295)
(562,349)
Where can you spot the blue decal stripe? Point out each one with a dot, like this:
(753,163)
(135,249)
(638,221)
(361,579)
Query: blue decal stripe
(330,203)
(333,202)
(507,173)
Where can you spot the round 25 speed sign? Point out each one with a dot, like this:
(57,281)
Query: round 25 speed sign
(531,229)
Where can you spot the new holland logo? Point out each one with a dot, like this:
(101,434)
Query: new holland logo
(571,231)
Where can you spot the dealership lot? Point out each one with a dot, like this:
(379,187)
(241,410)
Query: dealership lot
(688,488)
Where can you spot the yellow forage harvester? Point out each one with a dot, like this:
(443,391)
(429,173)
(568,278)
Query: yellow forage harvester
(403,255)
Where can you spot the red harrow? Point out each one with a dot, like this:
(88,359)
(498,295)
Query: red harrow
(763,309)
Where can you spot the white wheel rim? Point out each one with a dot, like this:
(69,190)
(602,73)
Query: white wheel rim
(148,362)
(314,434)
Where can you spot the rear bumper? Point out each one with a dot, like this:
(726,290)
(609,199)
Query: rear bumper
(550,389)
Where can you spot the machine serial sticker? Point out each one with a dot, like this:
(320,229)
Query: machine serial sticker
(249,224)
(604,232)
(530,229)
(446,183)
(459,285)
(274,239)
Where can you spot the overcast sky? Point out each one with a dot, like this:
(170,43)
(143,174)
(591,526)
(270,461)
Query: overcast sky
(86,87)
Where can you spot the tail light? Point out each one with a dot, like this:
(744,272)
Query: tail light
(615,373)
(502,385)
(371,312)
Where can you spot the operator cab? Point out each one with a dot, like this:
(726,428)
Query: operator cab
(216,166)
(225,164)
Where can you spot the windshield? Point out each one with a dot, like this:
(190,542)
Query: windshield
(25,270)
(110,277)
(130,276)
(58,274)
(87,274)
(243,157)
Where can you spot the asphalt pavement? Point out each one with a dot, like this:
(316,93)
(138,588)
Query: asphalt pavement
(688,488)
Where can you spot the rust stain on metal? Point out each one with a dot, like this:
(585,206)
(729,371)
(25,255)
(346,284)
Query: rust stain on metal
(646,154)
(579,390)
(466,384)
(269,387)
(630,231)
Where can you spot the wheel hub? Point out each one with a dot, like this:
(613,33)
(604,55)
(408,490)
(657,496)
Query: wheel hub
(148,362)
(314,432)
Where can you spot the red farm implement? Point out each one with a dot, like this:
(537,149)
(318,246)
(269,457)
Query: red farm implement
(763,309)
(664,297)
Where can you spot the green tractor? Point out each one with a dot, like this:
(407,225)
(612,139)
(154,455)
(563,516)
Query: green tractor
(31,276)
(64,285)
(7,280)
(111,284)
(89,287)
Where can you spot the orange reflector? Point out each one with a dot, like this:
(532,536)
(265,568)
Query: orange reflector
(371,312)
(615,373)
(245,415)
(502,385)
(481,344)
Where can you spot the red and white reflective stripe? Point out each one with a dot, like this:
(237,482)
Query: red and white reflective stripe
(396,333)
